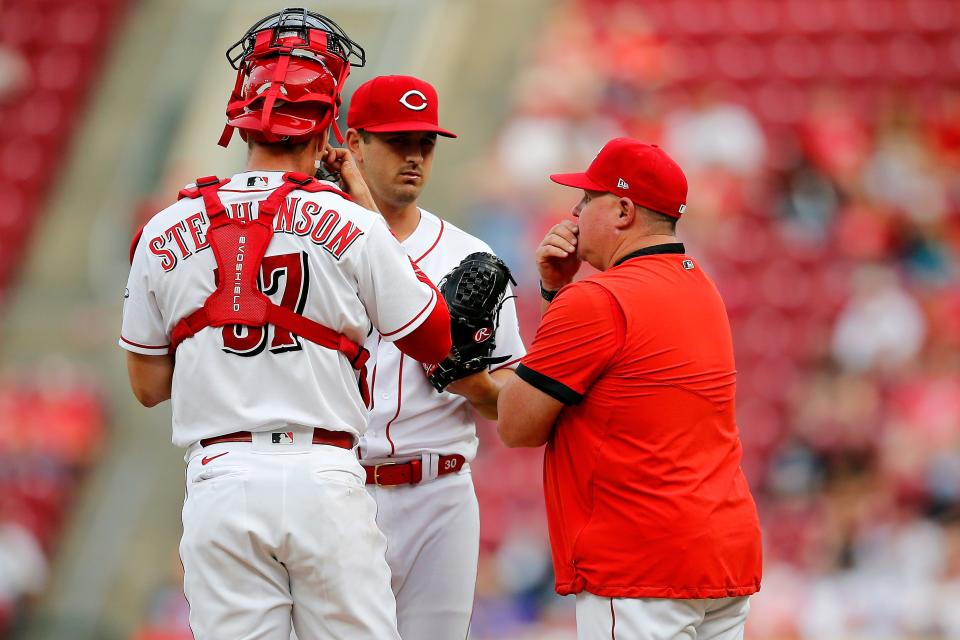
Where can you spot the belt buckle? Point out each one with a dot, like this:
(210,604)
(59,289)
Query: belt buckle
(376,472)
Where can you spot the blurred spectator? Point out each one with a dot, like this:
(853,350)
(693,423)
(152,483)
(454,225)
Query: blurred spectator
(556,122)
(712,132)
(881,327)
(834,137)
(13,74)
(23,565)
(52,427)
(901,173)
(810,199)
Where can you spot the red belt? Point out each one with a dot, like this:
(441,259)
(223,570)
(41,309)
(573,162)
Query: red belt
(389,474)
(340,439)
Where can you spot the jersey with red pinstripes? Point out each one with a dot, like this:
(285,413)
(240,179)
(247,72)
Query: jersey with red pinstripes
(409,417)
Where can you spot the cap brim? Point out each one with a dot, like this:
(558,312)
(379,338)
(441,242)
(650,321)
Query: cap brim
(401,127)
(577,181)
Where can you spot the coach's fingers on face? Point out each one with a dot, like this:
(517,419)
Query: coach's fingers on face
(564,232)
(557,240)
(550,251)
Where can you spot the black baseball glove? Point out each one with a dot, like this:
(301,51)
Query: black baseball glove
(474,291)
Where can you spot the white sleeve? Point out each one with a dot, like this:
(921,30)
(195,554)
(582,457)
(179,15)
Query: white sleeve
(396,301)
(143,329)
(508,334)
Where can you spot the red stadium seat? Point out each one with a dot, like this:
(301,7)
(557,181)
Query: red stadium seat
(78,23)
(910,56)
(753,17)
(812,16)
(781,102)
(854,57)
(933,15)
(951,59)
(696,17)
(739,58)
(797,58)
(875,16)
(44,116)
(20,25)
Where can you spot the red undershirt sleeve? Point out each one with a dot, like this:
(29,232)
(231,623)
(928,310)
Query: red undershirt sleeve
(430,342)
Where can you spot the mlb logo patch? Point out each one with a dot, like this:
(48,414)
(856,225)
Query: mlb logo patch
(257,181)
(688,265)
(282,437)
(682,208)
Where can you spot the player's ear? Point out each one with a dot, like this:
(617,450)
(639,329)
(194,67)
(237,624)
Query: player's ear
(626,213)
(352,141)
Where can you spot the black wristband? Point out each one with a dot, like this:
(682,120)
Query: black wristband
(547,295)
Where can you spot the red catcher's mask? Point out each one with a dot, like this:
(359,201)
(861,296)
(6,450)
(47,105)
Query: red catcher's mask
(291,67)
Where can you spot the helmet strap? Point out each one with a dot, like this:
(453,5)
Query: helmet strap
(279,75)
(234,97)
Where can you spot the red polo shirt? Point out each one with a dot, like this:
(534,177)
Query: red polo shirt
(644,491)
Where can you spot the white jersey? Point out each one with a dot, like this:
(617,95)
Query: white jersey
(330,260)
(409,416)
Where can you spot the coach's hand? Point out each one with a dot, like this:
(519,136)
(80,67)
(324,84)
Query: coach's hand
(557,259)
(339,161)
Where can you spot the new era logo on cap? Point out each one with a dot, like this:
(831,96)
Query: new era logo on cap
(622,184)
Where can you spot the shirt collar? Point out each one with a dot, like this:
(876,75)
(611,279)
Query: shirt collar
(424,236)
(670,247)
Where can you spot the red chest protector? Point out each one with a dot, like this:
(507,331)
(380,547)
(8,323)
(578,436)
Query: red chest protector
(238,247)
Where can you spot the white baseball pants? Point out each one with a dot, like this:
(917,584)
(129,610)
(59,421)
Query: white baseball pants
(601,618)
(433,543)
(275,538)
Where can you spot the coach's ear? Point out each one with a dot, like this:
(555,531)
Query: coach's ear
(626,213)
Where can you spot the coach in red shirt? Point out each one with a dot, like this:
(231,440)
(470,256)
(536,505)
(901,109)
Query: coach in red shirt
(631,384)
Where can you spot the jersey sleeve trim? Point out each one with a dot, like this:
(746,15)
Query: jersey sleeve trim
(145,349)
(430,303)
(556,390)
(506,365)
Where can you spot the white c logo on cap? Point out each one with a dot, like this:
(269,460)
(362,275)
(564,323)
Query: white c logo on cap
(405,100)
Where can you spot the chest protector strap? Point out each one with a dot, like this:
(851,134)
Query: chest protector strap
(238,247)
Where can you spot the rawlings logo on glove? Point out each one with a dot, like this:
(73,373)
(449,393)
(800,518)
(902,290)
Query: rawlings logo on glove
(474,291)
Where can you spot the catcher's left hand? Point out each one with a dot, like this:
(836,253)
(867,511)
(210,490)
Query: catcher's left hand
(474,291)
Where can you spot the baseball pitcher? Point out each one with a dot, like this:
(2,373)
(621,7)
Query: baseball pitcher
(422,434)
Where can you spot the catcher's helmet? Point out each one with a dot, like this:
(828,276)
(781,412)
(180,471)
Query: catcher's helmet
(291,66)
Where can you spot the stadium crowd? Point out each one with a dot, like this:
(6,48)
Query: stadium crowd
(52,429)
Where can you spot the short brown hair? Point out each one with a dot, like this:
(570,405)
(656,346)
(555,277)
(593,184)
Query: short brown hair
(281,146)
(659,220)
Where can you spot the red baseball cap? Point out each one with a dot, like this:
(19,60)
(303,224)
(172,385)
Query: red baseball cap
(390,104)
(631,169)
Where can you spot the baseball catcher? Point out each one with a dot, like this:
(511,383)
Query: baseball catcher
(474,291)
